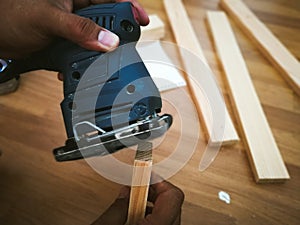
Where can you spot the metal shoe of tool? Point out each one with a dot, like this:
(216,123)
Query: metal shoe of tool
(110,101)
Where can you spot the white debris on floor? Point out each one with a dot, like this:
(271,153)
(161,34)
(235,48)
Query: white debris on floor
(224,196)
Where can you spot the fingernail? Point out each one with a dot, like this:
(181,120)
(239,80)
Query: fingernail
(124,192)
(108,38)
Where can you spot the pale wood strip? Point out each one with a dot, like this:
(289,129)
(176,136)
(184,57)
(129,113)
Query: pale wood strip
(264,155)
(188,42)
(155,30)
(266,41)
(140,183)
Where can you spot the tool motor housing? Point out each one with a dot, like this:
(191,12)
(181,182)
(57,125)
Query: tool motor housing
(100,78)
(111,76)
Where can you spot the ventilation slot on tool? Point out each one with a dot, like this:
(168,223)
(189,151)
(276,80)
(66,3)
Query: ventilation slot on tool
(104,21)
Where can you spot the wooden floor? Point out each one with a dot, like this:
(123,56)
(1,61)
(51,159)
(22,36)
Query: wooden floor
(34,189)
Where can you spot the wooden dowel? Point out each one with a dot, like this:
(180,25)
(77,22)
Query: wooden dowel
(140,183)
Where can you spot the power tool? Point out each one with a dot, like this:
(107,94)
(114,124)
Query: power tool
(110,101)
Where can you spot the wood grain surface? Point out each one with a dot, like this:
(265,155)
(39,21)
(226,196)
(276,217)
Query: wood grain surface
(186,38)
(34,189)
(141,175)
(264,155)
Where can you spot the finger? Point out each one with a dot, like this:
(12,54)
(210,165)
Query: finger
(168,200)
(148,210)
(178,220)
(116,214)
(160,187)
(139,12)
(155,178)
(82,31)
(151,194)
(60,76)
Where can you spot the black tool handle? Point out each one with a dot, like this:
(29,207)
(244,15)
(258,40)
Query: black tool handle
(121,69)
(72,60)
(66,57)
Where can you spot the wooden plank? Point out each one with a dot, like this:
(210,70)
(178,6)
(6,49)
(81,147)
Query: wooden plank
(264,155)
(266,41)
(188,42)
(155,30)
(140,183)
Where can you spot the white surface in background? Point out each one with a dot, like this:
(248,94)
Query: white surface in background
(161,68)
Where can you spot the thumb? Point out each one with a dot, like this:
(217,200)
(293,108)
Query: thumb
(116,214)
(83,32)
